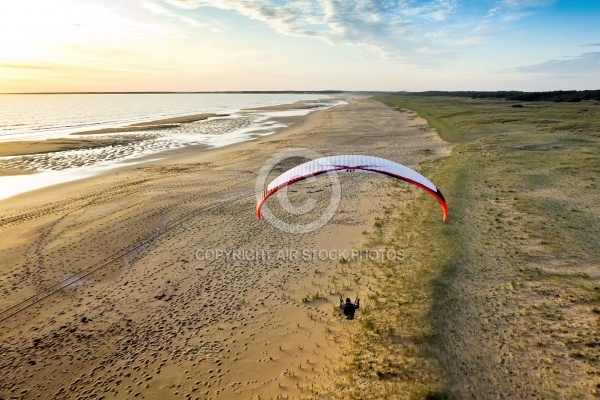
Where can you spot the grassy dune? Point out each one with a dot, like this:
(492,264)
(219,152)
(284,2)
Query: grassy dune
(503,300)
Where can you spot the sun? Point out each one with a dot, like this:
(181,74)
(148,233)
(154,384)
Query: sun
(41,33)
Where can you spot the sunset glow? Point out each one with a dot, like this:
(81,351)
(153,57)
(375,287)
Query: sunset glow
(197,45)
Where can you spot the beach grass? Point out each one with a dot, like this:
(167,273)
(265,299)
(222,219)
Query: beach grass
(503,299)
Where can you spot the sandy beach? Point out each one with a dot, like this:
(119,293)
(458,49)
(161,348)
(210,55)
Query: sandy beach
(114,287)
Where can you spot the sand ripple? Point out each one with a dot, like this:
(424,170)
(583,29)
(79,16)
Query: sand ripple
(213,132)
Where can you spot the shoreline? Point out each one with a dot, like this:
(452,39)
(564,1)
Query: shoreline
(157,124)
(31,147)
(158,321)
(31,182)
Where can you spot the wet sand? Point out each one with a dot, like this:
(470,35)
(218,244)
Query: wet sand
(158,124)
(115,144)
(25,147)
(151,312)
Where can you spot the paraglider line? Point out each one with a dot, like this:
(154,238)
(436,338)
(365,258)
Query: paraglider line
(288,183)
(436,194)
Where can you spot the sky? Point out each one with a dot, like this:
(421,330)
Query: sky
(366,45)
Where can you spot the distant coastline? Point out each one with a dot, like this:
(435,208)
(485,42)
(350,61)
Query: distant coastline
(204,92)
(94,146)
(554,95)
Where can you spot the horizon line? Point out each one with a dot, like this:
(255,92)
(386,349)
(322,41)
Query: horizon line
(192,92)
(325,91)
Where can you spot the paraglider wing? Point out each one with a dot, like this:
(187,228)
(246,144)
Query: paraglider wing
(351,163)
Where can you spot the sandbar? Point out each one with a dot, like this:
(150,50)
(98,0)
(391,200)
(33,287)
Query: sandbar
(26,147)
(158,124)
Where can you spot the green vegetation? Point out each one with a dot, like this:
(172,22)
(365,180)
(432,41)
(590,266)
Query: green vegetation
(502,299)
(460,120)
(557,96)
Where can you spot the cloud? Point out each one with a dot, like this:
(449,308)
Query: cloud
(584,64)
(32,66)
(412,32)
(513,10)
(158,9)
(591,45)
(528,3)
(400,30)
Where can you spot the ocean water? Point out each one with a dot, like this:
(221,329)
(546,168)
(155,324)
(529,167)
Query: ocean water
(47,116)
(52,116)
